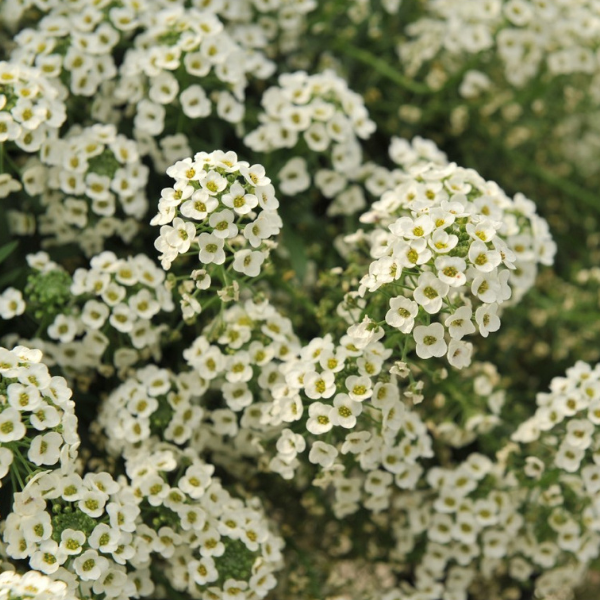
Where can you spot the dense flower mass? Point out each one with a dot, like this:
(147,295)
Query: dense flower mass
(221,208)
(31,111)
(38,426)
(33,585)
(446,242)
(108,309)
(527,37)
(269,328)
(90,180)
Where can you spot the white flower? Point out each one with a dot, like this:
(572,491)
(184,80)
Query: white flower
(459,353)
(10,130)
(199,206)
(442,242)
(265,226)
(48,558)
(430,340)
(122,318)
(150,117)
(364,333)
(45,449)
(319,385)
(294,176)
(11,303)
(482,258)
(8,184)
(211,249)
(359,387)
(322,454)
(11,427)
(92,503)
(248,262)
(213,183)
(255,175)
(72,541)
(402,313)
(90,565)
(238,200)
(409,228)
(451,270)
(486,287)
(430,292)
(568,457)
(94,314)
(222,224)
(203,571)
(194,102)
(319,418)
(345,410)
(487,319)
(579,433)
(180,235)
(64,329)
(290,444)
(23,398)
(459,323)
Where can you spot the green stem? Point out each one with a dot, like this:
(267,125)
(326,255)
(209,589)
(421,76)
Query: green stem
(383,68)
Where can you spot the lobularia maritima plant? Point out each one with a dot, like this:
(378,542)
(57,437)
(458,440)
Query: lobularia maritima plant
(246,306)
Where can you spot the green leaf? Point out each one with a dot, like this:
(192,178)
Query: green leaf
(7,250)
(9,278)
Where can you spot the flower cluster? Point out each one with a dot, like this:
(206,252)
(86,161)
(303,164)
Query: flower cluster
(182,63)
(558,460)
(75,48)
(33,586)
(38,426)
(93,180)
(152,402)
(318,112)
(31,111)
(527,37)
(569,413)
(110,305)
(222,208)
(243,355)
(462,528)
(83,532)
(208,542)
(447,242)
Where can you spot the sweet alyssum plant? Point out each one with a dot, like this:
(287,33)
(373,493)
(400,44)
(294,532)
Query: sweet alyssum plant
(247,337)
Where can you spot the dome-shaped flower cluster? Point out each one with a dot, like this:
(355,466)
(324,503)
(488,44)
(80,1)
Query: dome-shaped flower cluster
(74,48)
(447,242)
(111,304)
(31,111)
(223,209)
(528,37)
(95,181)
(82,531)
(208,542)
(38,426)
(319,112)
(182,63)
(152,402)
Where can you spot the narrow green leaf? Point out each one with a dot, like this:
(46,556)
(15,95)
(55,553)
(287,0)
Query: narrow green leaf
(7,250)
